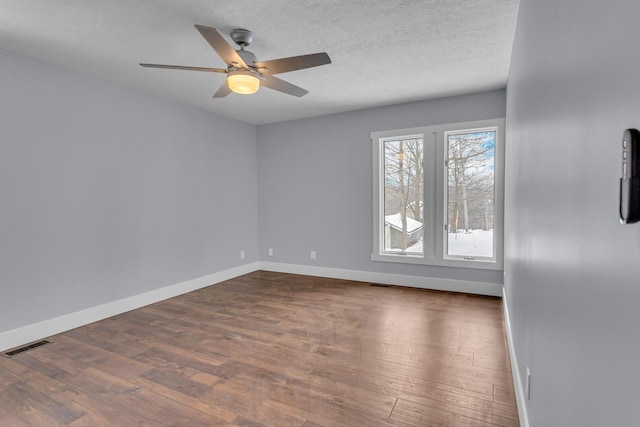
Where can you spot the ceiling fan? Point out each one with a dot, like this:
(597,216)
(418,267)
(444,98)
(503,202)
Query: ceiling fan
(245,74)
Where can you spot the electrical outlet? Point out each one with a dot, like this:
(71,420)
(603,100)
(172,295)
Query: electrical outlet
(527,386)
(270,251)
(241,254)
(313,254)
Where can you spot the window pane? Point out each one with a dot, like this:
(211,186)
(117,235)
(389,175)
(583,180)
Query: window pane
(470,193)
(403,194)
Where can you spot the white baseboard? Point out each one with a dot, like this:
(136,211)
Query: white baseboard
(479,288)
(515,372)
(37,331)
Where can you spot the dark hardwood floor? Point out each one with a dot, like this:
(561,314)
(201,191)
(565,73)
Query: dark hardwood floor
(271,349)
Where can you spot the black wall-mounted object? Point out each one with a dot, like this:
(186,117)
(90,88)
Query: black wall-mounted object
(630,181)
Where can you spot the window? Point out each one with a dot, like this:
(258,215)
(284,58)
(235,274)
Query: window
(470,193)
(403,195)
(438,195)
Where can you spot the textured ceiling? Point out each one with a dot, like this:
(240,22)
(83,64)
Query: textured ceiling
(383,52)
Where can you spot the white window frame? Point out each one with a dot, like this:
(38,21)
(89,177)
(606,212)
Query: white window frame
(435,187)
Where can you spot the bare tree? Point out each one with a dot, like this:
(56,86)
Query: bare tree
(470,183)
(403,181)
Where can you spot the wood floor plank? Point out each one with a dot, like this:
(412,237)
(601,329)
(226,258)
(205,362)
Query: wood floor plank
(505,396)
(12,421)
(421,415)
(209,406)
(34,407)
(274,349)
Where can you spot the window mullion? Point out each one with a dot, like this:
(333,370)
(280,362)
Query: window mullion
(440,182)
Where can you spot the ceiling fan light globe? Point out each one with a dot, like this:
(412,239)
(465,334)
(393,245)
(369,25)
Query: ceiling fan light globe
(243,82)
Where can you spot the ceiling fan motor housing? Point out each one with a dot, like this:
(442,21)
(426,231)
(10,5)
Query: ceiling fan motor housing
(242,37)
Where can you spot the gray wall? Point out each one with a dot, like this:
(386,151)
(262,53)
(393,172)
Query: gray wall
(315,184)
(573,272)
(106,193)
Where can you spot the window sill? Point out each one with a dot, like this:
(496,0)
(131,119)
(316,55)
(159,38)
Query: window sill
(420,260)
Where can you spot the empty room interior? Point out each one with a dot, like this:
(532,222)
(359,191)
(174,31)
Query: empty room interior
(302,213)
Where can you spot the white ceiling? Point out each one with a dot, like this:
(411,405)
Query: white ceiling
(383,52)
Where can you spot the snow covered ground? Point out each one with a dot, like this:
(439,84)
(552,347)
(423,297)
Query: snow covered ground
(474,243)
(477,243)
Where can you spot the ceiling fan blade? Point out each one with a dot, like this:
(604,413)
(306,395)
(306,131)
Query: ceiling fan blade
(182,67)
(220,45)
(282,86)
(222,91)
(282,65)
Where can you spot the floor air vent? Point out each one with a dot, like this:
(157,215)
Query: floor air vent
(26,348)
(380,285)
